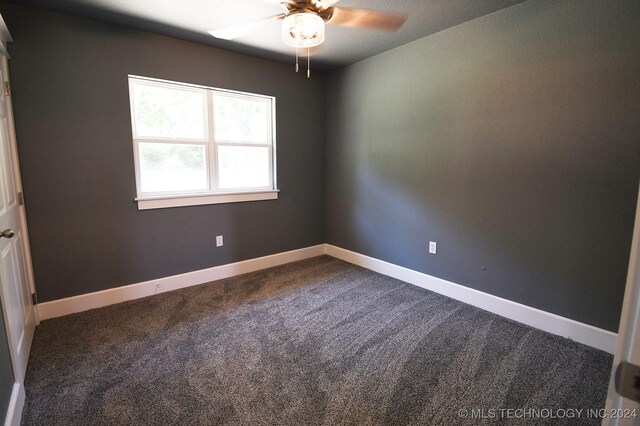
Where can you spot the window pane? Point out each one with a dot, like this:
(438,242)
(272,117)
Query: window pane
(169,113)
(243,167)
(172,167)
(241,120)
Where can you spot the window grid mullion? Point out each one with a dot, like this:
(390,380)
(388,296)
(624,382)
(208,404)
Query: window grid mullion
(213,154)
(173,141)
(226,142)
(245,144)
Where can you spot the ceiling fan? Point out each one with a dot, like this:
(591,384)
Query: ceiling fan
(303,23)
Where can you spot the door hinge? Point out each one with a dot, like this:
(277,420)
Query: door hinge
(34,299)
(627,381)
(5,88)
(21,198)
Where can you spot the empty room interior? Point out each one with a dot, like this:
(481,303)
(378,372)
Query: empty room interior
(301,212)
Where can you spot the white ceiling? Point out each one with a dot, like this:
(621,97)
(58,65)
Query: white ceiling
(191,19)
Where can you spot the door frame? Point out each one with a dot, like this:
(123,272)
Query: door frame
(628,346)
(16,403)
(11,127)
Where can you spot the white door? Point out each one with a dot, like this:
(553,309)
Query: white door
(15,270)
(619,410)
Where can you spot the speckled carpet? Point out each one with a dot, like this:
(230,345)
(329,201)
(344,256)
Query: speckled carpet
(313,342)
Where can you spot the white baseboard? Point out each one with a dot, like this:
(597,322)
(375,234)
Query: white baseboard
(16,404)
(99,299)
(552,323)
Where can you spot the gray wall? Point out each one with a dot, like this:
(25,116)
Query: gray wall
(512,140)
(71,101)
(6,371)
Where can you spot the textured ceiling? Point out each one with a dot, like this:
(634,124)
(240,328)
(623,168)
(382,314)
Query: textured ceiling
(191,19)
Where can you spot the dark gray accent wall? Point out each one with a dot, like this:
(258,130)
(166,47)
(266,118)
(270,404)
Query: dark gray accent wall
(6,371)
(512,140)
(71,101)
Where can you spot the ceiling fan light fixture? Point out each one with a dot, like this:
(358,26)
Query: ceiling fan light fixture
(303,30)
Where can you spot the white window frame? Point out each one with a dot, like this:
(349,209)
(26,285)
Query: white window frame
(213,194)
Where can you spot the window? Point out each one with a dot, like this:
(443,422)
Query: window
(198,145)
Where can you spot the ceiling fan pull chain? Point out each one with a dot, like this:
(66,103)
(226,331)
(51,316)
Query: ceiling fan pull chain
(297,67)
(308,63)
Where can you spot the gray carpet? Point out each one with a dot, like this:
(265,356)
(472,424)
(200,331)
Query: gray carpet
(313,342)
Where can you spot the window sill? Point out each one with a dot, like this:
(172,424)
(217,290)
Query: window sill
(164,202)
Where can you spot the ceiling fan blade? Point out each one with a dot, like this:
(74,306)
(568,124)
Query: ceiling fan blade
(235,31)
(362,18)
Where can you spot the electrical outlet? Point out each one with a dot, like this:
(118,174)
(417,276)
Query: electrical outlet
(433,247)
(219,241)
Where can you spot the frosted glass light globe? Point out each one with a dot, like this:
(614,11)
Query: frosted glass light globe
(303,30)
